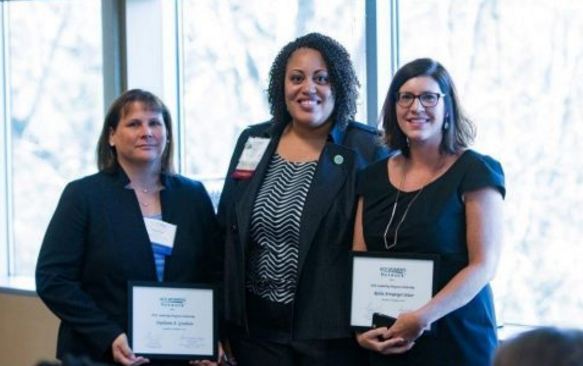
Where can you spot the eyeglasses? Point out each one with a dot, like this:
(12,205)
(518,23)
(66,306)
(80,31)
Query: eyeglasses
(426,99)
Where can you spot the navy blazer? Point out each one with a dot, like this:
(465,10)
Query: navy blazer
(321,303)
(96,242)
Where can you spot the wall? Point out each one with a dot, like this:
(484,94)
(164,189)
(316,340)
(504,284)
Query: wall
(28,330)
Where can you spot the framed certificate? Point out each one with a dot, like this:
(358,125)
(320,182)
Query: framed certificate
(389,284)
(172,321)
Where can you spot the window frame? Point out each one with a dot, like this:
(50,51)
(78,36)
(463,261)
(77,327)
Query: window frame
(114,80)
(133,31)
(6,238)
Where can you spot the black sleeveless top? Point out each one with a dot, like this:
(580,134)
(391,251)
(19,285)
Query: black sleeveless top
(436,224)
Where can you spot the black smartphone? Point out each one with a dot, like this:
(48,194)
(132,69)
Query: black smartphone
(382,320)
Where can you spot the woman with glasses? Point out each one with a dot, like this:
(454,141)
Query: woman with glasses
(436,197)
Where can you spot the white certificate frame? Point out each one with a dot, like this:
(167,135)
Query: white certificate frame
(389,283)
(172,321)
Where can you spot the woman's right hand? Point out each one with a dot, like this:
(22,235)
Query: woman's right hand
(123,354)
(377,340)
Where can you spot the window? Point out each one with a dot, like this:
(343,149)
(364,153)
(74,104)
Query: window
(55,108)
(519,81)
(228,49)
(518,67)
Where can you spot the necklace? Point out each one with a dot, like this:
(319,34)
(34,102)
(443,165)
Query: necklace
(155,188)
(141,197)
(387,246)
(394,209)
(142,202)
(141,192)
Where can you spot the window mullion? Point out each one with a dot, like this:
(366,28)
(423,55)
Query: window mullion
(6,238)
(382,48)
(150,53)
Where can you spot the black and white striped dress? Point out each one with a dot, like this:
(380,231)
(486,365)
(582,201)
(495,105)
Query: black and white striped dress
(275,230)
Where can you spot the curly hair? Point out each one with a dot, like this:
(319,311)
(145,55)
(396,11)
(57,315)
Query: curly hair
(343,80)
(458,133)
(106,154)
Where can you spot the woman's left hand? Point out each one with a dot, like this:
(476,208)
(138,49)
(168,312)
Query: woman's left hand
(408,326)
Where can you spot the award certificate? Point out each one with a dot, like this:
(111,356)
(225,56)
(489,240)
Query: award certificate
(389,284)
(172,321)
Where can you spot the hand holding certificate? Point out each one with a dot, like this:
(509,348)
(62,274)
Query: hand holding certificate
(389,284)
(172,321)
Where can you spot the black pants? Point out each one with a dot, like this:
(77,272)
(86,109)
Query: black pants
(251,351)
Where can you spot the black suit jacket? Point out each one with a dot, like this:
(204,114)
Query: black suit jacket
(96,242)
(321,304)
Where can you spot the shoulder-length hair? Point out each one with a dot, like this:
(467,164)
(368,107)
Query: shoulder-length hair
(343,79)
(458,131)
(106,154)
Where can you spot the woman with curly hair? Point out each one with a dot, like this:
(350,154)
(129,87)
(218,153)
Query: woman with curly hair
(287,209)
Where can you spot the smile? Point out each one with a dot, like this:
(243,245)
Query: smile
(418,120)
(309,102)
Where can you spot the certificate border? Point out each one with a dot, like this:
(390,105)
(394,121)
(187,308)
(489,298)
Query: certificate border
(414,256)
(182,286)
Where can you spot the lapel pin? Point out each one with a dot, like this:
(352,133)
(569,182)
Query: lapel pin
(338,159)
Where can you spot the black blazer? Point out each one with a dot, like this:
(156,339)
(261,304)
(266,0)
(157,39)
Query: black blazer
(96,242)
(321,304)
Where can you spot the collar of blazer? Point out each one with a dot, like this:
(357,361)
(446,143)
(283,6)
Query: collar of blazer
(121,177)
(335,165)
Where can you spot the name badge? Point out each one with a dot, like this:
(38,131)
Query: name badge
(161,234)
(250,157)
